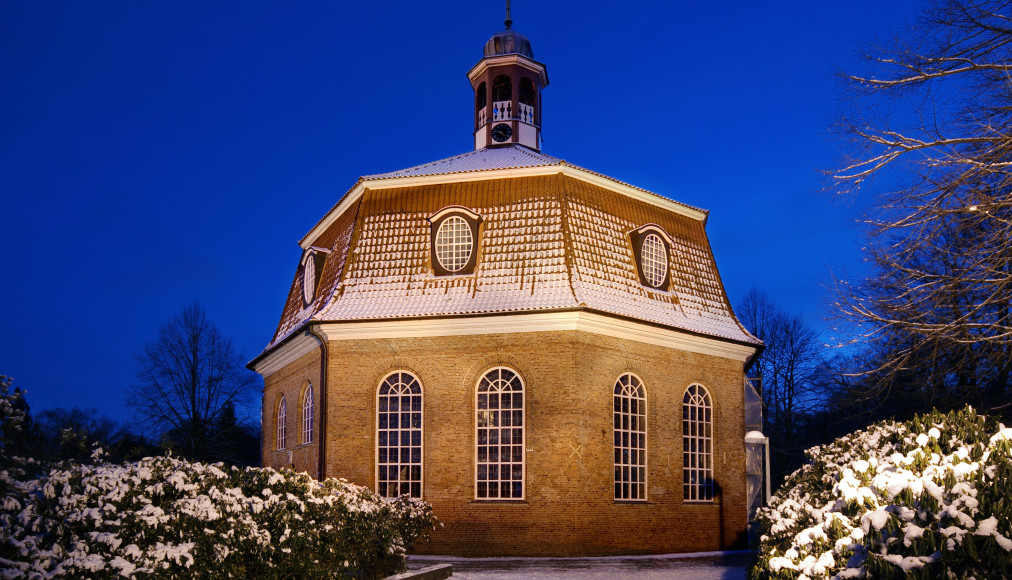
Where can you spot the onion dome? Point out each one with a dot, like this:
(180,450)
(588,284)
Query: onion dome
(509,42)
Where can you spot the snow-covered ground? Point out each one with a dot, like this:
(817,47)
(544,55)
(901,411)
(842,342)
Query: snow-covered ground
(703,566)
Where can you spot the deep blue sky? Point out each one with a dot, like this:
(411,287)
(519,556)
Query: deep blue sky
(152,154)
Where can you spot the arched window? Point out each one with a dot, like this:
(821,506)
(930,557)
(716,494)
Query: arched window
(480,96)
(279,423)
(630,438)
(399,436)
(697,444)
(526,91)
(499,426)
(502,89)
(307,414)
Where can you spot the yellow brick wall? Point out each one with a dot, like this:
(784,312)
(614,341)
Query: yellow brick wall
(289,381)
(569,378)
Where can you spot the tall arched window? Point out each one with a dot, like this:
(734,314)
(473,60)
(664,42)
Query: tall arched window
(279,422)
(697,444)
(630,406)
(525,94)
(399,436)
(499,426)
(307,414)
(480,96)
(502,88)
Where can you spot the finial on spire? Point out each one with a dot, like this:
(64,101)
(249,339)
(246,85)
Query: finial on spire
(508,21)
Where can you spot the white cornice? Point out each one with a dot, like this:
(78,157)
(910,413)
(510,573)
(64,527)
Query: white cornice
(286,354)
(567,170)
(537,322)
(507,59)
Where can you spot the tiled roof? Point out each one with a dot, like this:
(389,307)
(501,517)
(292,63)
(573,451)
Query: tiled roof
(491,158)
(547,242)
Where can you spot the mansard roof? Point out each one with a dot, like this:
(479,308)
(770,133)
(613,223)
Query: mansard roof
(551,241)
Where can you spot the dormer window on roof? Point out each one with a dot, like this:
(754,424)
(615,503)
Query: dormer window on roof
(312,266)
(454,244)
(652,250)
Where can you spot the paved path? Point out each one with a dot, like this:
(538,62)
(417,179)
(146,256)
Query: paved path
(707,566)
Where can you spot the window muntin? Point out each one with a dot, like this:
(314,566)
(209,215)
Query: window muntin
(630,429)
(526,93)
(399,436)
(307,415)
(499,427)
(454,244)
(653,260)
(697,444)
(502,88)
(309,279)
(280,424)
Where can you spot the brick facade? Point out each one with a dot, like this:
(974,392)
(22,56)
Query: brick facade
(569,376)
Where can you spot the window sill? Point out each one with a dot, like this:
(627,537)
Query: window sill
(499,501)
(700,502)
(633,502)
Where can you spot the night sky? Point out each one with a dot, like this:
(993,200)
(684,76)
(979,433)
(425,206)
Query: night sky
(153,154)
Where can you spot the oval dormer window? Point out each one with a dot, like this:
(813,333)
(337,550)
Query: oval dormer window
(309,280)
(654,260)
(454,244)
(454,241)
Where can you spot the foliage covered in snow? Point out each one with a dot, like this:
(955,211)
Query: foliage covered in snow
(167,518)
(929,498)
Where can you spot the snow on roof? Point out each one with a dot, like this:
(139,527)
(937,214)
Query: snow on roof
(491,158)
(547,242)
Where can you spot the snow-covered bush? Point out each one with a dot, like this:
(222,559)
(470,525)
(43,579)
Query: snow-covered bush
(167,518)
(929,498)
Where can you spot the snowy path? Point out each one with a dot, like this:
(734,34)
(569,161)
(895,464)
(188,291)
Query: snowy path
(713,566)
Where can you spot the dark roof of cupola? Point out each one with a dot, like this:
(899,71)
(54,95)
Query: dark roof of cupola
(509,41)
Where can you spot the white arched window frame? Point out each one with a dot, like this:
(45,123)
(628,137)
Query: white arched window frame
(499,436)
(630,429)
(399,430)
(280,421)
(697,444)
(307,414)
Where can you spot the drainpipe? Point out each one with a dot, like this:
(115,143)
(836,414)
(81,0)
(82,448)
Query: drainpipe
(321,472)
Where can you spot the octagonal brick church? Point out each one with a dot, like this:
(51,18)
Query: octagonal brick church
(545,354)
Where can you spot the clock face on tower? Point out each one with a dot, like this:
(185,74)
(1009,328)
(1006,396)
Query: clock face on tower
(501,132)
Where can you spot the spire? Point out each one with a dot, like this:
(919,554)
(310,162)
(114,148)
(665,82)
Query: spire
(507,85)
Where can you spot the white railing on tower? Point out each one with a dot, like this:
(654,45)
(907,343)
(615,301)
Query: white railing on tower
(526,114)
(502,110)
(483,116)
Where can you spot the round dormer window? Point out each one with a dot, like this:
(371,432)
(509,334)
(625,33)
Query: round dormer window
(454,244)
(653,260)
(309,279)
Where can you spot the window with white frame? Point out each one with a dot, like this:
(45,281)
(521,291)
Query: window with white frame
(499,426)
(697,444)
(307,415)
(399,436)
(454,243)
(654,260)
(630,408)
(280,420)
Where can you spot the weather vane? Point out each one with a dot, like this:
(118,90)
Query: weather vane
(508,21)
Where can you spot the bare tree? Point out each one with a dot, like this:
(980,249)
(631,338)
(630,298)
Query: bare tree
(932,115)
(786,370)
(186,379)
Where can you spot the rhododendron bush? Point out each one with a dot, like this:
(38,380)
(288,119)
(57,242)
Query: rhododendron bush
(929,498)
(167,518)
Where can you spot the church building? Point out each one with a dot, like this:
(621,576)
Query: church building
(545,354)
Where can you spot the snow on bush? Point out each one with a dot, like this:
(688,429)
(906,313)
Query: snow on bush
(167,518)
(929,498)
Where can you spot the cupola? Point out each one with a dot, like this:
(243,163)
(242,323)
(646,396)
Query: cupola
(507,85)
